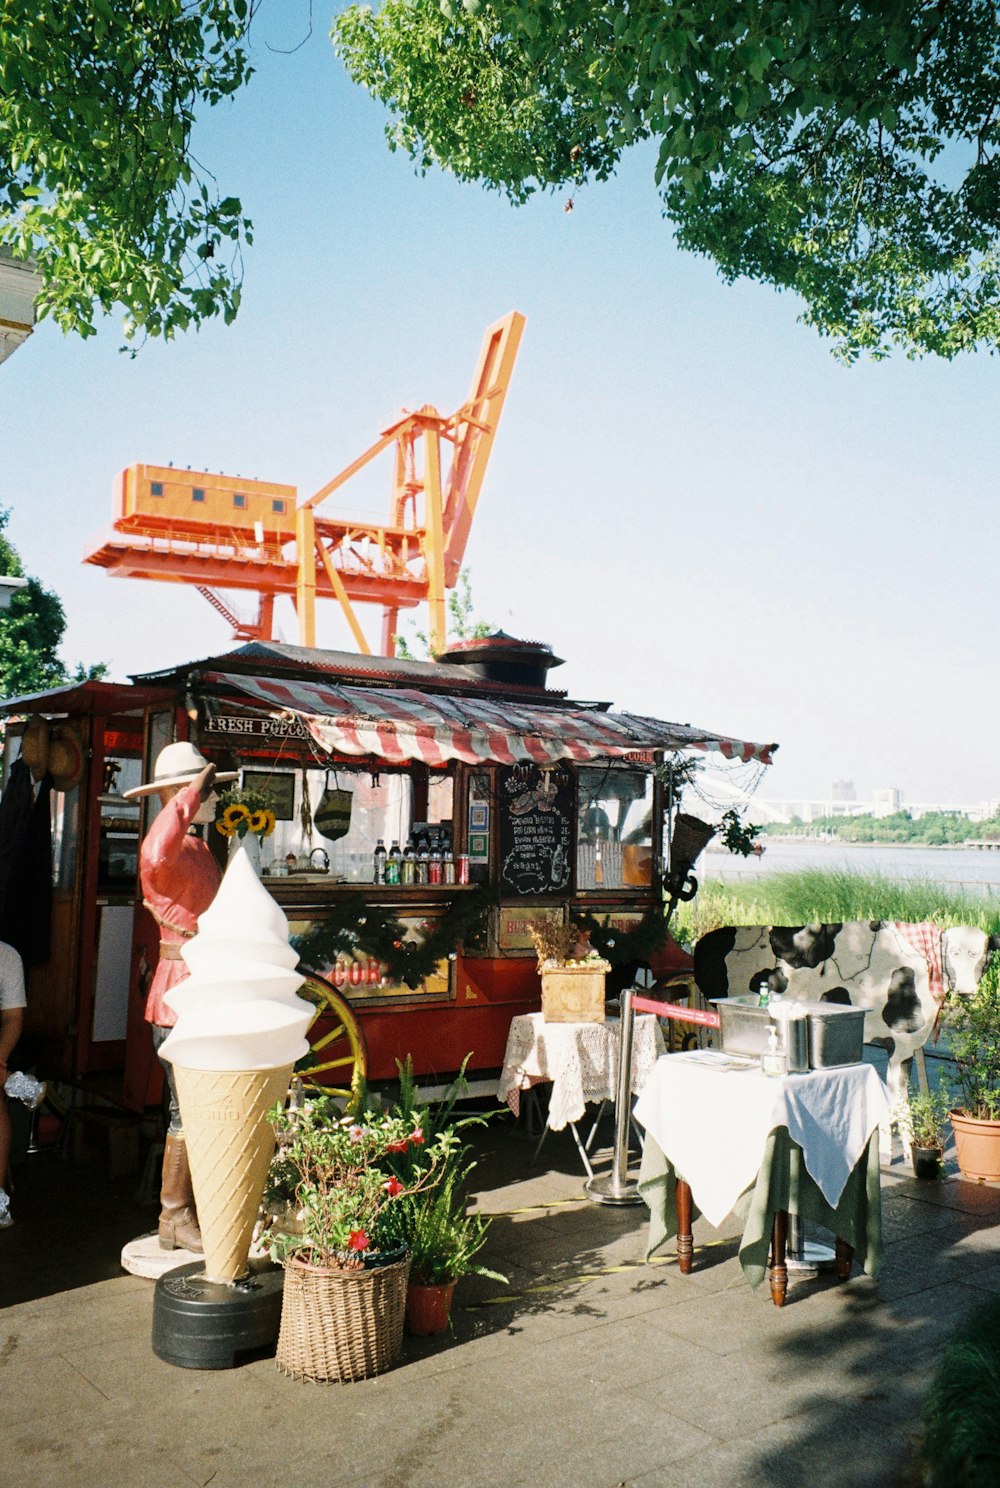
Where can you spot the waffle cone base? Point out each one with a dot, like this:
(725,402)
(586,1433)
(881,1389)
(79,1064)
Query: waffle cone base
(230,1144)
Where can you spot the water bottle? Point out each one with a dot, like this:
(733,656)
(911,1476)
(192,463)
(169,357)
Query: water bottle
(379,862)
(392,864)
(408,867)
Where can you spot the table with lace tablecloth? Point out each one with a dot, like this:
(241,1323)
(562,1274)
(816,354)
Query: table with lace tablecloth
(580,1060)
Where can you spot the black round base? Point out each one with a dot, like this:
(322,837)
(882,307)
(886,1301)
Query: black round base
(200,1324)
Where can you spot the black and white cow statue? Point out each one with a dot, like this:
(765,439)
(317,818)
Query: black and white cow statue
(898,972)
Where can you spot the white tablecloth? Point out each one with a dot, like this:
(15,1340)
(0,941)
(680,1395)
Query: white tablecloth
(713,1123)
(581,1060)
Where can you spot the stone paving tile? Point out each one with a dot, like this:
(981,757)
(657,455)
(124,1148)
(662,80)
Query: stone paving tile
(927,1258)
(904,1214)
(777,1456)
(589,1437)
(981,1199)
(108,1314)
(985,1278)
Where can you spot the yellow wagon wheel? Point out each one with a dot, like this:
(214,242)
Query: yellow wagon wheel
(339,1059)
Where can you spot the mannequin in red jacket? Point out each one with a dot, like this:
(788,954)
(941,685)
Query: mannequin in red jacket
(179,880)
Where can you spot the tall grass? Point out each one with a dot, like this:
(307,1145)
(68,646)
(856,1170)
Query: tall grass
(815,895)
(961,1442)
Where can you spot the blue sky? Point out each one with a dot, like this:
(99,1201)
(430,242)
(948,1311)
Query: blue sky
(689,499)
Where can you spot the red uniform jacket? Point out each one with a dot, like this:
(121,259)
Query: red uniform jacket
(179,879)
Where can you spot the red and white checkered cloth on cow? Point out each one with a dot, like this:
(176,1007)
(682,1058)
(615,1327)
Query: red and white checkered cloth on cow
(925,939)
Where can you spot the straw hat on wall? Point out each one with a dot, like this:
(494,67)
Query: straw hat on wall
(35,745)
(65,757)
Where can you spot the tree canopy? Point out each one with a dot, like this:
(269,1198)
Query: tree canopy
(845,151)
(31,632)
(98,183)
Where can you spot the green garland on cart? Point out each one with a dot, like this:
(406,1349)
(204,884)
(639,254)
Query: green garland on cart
(375,930)
(621,947)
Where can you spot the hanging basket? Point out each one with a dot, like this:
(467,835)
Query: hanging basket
(332,817)
(690,838)
(341,1325)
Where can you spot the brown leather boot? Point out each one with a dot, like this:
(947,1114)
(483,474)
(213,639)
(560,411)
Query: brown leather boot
(178,1219)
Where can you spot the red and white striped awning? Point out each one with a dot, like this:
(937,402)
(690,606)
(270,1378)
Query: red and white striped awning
(399,724)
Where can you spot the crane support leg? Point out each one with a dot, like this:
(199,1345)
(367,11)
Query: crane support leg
(434,542)
(337,584)
(390,625)
(305,583)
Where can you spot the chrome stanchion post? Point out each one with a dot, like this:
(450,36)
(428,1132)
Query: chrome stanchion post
(803,1254)
(614,1187)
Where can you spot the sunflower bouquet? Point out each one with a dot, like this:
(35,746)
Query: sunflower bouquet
(246,811)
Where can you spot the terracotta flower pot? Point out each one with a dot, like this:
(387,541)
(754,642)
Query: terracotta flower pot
(977,1147)
(428,1308)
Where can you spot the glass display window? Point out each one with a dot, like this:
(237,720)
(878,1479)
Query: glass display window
(614,828)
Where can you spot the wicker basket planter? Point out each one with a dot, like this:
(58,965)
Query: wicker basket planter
(341,1325)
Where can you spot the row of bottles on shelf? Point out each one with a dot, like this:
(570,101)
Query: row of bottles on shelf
(424,860)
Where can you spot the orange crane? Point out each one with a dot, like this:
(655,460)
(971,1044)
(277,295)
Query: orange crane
(220,531)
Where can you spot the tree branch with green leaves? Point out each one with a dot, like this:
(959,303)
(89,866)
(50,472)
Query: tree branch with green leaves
(846,152)
(99,186)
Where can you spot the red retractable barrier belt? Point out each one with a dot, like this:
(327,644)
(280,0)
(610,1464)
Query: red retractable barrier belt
(674,1010)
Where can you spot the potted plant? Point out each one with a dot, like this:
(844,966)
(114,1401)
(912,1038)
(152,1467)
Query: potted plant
(444,1241)
(572,973)
(973,1024)
(925,1124)
(345,1268)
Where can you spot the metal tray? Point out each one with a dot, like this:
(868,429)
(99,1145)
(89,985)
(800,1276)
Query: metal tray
(836,1035)
(745,1025)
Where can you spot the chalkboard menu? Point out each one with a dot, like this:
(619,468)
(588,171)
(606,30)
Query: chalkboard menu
(536,809)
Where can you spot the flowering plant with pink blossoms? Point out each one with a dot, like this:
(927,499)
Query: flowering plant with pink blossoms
(339,1178)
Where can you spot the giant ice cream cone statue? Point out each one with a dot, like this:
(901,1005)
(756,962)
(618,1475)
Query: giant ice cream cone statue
(240,1028)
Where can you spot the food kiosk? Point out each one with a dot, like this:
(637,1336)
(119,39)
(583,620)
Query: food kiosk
(425,814)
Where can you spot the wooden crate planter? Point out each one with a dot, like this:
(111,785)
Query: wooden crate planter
(574,993)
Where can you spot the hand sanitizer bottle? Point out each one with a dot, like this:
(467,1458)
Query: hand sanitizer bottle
(773,1060)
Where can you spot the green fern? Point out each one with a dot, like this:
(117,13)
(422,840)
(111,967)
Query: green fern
(961,1440)
(444,1238)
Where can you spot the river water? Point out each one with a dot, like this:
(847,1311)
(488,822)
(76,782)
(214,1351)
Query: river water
(956,868)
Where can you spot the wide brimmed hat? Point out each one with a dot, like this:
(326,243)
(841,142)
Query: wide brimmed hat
(65,757)
(178,764)
(35,745)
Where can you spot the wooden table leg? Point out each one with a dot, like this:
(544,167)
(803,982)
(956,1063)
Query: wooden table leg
(844,1260)
(779,1271)
(685,1244)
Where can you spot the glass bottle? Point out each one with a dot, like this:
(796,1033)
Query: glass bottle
(392,864)
(379,862)
(408,867)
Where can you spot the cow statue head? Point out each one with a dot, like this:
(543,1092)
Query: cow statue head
(965,955)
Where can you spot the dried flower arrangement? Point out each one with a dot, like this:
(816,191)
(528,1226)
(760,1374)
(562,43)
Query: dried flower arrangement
(557,944)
